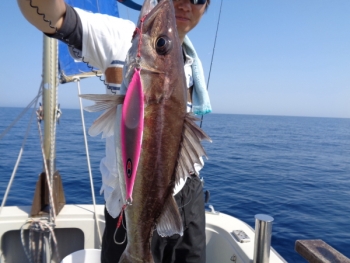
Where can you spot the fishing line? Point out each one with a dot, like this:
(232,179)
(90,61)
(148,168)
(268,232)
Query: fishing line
(186,203)
(75,50)
(212,56)
(188,192)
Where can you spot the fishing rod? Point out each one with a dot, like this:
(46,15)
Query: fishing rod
(212,56)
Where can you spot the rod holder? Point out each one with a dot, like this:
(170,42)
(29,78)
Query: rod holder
(262,244)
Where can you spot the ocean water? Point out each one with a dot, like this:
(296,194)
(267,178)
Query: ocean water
(295,169)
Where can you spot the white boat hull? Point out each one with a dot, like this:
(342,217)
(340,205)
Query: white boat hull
(76,229)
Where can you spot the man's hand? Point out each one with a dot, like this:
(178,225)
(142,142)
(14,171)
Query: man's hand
(54,11)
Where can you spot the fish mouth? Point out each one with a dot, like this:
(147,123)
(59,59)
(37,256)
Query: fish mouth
(144,68)
(151,70)
(137,65)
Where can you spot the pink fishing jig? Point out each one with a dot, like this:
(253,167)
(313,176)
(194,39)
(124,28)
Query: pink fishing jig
(131,131)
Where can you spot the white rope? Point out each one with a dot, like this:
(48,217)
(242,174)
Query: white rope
(77,80)
(47,175)
(40,226)
(35,101)
(24,111)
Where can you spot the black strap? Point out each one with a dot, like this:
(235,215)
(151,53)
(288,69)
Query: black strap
(71,31)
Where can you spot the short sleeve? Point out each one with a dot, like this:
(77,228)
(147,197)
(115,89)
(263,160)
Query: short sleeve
(105,38)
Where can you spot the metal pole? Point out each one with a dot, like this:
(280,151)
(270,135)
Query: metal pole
(49,92)
(263,230)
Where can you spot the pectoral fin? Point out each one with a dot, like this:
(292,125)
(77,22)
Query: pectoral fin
(191,148)
(170,222)
(106,122)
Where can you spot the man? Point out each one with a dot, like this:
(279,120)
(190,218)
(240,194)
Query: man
(103,42)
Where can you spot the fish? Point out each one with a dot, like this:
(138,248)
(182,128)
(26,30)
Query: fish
(157,141)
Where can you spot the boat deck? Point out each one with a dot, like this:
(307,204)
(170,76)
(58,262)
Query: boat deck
(76,229)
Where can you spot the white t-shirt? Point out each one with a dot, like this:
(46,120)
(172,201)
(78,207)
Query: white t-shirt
(106,41)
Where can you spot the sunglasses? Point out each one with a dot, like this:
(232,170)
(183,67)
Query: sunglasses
(196,2)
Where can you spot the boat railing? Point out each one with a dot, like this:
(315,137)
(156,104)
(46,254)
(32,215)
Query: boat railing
(318,251)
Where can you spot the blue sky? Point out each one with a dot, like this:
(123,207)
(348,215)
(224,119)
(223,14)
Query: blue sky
(272,57)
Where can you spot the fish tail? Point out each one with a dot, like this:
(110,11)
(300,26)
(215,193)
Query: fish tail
(106,122)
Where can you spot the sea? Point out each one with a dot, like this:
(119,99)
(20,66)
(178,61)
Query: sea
(295,169)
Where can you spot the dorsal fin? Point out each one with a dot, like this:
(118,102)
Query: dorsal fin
(106,122)
(191,149)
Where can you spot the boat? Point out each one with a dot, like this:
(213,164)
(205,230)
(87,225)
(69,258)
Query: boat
(52,231)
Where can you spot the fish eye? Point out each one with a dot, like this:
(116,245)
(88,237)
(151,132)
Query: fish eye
(163,45)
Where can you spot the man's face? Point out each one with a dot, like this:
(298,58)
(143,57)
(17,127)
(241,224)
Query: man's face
(187,15)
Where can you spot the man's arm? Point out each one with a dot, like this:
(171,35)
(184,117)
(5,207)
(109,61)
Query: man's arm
(54,11)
